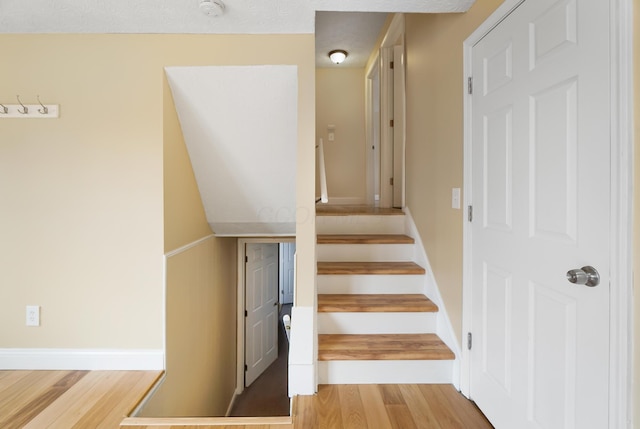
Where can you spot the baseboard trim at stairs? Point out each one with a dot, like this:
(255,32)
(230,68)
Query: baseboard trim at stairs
(445,328)
(385,372)
(81,359)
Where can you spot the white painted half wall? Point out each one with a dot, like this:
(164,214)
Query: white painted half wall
(240,127)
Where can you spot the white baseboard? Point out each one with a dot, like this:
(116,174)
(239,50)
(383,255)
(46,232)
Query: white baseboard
(81,359)
(445,328)
(347,201)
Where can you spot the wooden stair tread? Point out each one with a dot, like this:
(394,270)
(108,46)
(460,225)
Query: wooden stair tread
(344,210)
(380,303)
(364,239)
(382,347)
(369,268)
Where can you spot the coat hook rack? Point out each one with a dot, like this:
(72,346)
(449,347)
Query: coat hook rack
(44,109)
(32,111)
(25,109)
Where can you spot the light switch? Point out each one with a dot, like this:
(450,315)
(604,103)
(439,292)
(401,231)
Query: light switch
(331,129)
(455,198)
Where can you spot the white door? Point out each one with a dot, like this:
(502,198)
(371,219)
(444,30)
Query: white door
(540,193)
(287,252)
(261,324)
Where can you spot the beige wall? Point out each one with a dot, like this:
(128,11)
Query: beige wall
(435,139)
(340,102)
(201,335)
(82,196)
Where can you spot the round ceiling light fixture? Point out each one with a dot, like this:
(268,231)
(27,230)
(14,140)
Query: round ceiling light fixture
(338,55)
(212,7)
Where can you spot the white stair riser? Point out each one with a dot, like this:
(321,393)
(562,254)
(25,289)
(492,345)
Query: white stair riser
(371,284)
(365,252)
(360,224)
(385,372)
(377,323)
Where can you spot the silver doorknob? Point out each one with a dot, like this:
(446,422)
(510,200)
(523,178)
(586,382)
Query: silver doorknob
(587,276)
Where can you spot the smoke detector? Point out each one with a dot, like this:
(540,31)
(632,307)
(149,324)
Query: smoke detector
(212,7)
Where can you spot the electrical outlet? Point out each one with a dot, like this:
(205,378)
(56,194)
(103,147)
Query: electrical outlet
(33,315)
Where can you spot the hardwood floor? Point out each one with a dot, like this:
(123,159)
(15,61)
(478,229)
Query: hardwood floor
(101,399)
(70,399)
(371,406)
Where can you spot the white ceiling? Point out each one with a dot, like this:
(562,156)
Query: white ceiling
(354,32)
(184,16)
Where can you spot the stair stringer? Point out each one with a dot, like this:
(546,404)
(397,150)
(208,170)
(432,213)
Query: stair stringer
(444,327)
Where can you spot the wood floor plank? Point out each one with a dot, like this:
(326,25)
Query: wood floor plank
(391,394)
(51,385)
(385,268)
(118,401)
(446,416)
(76,401)
(353,414)
(382,347)
(400,416)
(376,412)
(470,415)
(419,407)
(377,303)
(328,407)
(364,239)
(9,378)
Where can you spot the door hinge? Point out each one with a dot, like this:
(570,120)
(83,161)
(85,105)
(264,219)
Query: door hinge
(391,181)
(470,85)
(470,213)
(246,368)
(469,341)
(391,65)
(246,314)
(246,259)
(391,123)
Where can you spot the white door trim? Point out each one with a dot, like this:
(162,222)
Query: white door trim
(370,132)
(621,295)
(240,332)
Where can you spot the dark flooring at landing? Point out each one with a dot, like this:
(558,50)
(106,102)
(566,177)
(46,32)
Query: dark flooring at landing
(268,396)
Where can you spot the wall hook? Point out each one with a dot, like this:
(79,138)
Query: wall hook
(44,109)
(5,109)
(25,109)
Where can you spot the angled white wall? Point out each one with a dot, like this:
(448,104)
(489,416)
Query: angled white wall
(240,128)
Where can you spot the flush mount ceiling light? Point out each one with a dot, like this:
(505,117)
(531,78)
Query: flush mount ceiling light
(212,7)
(337,56)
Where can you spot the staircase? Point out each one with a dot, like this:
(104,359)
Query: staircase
(375,325)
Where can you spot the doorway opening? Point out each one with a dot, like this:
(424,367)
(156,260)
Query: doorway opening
(265,296)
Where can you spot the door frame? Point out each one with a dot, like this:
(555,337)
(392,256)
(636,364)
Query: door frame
(373,135)
(394,37)
(621,206)
(240,324)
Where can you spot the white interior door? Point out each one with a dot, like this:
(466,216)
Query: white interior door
(261,324)
(541,206)
(287,252)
